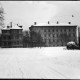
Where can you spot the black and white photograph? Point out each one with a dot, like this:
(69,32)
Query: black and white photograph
(40,39)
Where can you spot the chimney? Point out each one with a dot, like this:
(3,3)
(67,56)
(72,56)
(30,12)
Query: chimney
(57,22)
(35,23)
(11,24)
(17,24)
(8,26)
(69,22)
(20,26)
(48,22)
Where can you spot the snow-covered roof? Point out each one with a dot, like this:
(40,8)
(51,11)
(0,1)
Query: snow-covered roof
(13,27)
(53,24)
(5,28)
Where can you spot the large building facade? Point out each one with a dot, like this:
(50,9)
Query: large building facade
(56,34)
(11,37)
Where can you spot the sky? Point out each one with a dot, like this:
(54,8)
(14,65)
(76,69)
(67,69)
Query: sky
(27,12)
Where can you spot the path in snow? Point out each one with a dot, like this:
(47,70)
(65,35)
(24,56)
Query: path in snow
(44,63)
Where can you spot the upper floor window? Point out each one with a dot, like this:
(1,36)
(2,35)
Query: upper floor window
(53,30)
(18,31)
(74,34)
(73,30)
(61,30)
(53,35)
(17,42)
(45,30)
(49,35)
(17,36)
(64,30)
(48,30)
(56,30)
(53,40)
(49,41)
(5,31)
(56,35)
(69,30)
(69,34)
(44,35)
(13,31)
(4,37)
(45,40)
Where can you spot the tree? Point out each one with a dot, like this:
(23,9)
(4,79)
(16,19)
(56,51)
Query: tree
(1,16)
(26,39)
(36,39)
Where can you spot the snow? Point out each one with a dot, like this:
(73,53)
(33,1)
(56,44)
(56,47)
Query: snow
(41,63)
(54,24)
(14,26)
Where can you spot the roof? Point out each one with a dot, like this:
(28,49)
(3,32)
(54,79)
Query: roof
(13,27)
(5,28)
(51,24)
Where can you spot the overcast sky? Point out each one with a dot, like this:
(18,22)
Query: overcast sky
(27,12)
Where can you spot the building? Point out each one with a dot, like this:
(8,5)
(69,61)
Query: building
(79,35)
(12,37)
(56,34)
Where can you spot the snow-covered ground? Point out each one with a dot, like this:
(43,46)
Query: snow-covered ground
(41,63)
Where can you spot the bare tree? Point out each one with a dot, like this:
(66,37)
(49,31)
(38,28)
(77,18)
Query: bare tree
(1,16)
(36,39)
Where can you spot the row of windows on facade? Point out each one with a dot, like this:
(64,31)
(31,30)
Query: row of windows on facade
(14,31)
(62,44)
(55,41)
(13,37)
(59,30)
(58,35)
(15,43)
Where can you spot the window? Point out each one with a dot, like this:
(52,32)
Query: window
(4,37)
(17,36)
(5,43)
(17,42)
(74,34)
(61,30)
(69,30)
(8,37)
(53,30)
(53,40)
(49,41)
(56,30)
(49,35)
(7,31)
(56,35)
(14,42)
(45,40)
(53,35)
(73,30)
(45,35)
(69,35)
(18,31)
(20,42)
(45,30)
(48,30)
(13,31)
(57,40)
